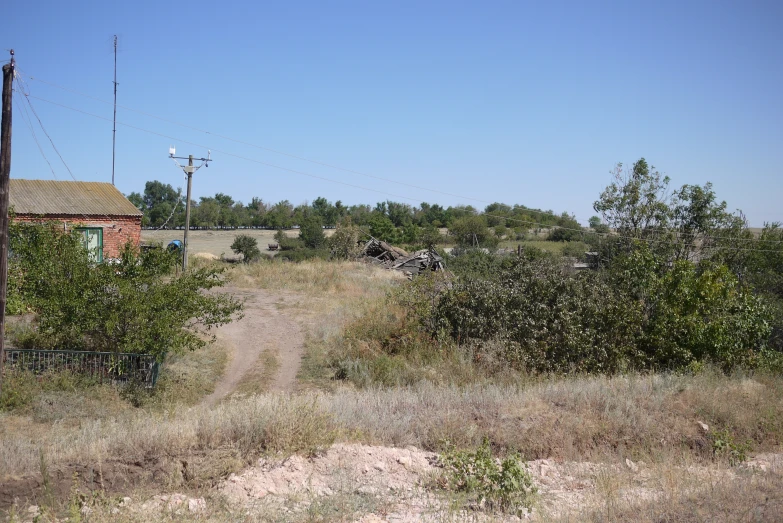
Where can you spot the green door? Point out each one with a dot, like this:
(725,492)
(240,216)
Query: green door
(92,237)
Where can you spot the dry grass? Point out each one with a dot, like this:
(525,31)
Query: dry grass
(650,417)
(687,498)
(343,280)
(260,376)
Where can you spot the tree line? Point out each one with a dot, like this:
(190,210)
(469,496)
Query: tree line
(164,206)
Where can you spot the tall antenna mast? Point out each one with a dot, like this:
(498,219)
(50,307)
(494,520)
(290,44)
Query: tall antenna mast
(114,130)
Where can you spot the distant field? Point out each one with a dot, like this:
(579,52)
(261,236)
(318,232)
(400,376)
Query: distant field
(217,242)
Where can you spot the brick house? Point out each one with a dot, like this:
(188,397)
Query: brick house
(97,209)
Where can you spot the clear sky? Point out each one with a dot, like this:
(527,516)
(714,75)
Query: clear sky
(517,102)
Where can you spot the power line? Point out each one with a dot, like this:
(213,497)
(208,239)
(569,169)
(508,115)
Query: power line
(40,123)
(581,231)
(26,118)
(317,162)
(274,166)
(27,97)
(277,151)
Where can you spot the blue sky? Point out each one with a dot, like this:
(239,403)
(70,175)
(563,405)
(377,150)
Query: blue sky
(518,102)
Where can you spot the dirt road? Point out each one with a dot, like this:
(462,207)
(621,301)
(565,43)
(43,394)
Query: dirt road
(270,325)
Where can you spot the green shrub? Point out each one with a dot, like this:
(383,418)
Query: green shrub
(132,305)
(545,319)
(692,312)
(247,246)
(472,231)
(312,233)
(507,487)
(642,314)
(725,447)
(344,243)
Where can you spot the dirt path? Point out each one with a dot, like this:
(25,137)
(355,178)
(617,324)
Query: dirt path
(270,324)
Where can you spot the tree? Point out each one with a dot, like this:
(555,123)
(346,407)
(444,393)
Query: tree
(311,232)
(280,215)
(344,243)
(472,231)
(160,200)
(597,225)
(567,229)
(400,214)
(207,213)
(138,200)
(636,204)
(430,237)
(247,246)
(680,225)
(382,228)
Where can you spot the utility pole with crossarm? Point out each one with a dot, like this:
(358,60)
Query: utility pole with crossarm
(189,170)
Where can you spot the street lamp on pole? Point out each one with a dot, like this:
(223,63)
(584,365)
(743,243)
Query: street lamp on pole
(189,169)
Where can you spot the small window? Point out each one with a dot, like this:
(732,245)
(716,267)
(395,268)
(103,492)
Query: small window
(92,238)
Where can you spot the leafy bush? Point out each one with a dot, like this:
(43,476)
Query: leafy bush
(247,246)
(724,446)
(642,314)
(475,263)
(382,228)
(692,312)
(472,231)
(312,233)
(133,305)
(344,243)
(287,243)
(507,487)
(546,320)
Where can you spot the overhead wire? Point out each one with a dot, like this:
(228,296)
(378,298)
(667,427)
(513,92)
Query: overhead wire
(283,153)
(26,117)
(40,123)
(253,160)
(316,162)
(227,153)
(26,94)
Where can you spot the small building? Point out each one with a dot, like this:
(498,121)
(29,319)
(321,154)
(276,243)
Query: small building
(97,209)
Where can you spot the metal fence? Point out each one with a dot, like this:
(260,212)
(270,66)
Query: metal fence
(105,366)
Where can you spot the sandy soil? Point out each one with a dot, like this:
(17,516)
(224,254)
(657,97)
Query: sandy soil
(263,328)
(401,482)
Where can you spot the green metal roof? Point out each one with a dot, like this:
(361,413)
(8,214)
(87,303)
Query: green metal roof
(77,198)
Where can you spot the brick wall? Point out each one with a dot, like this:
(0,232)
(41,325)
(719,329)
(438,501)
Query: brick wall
(117,230)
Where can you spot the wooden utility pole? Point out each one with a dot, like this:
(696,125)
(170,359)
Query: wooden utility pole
(189,172)
(5,183)
(114,129)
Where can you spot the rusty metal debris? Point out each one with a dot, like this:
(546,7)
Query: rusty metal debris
(380,252)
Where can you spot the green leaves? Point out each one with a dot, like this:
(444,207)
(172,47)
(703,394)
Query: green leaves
(312,232)
(247,246)
(641,314)
(507,488)
(133,305)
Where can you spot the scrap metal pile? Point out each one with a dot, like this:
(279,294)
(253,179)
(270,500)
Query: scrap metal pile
(392,257)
